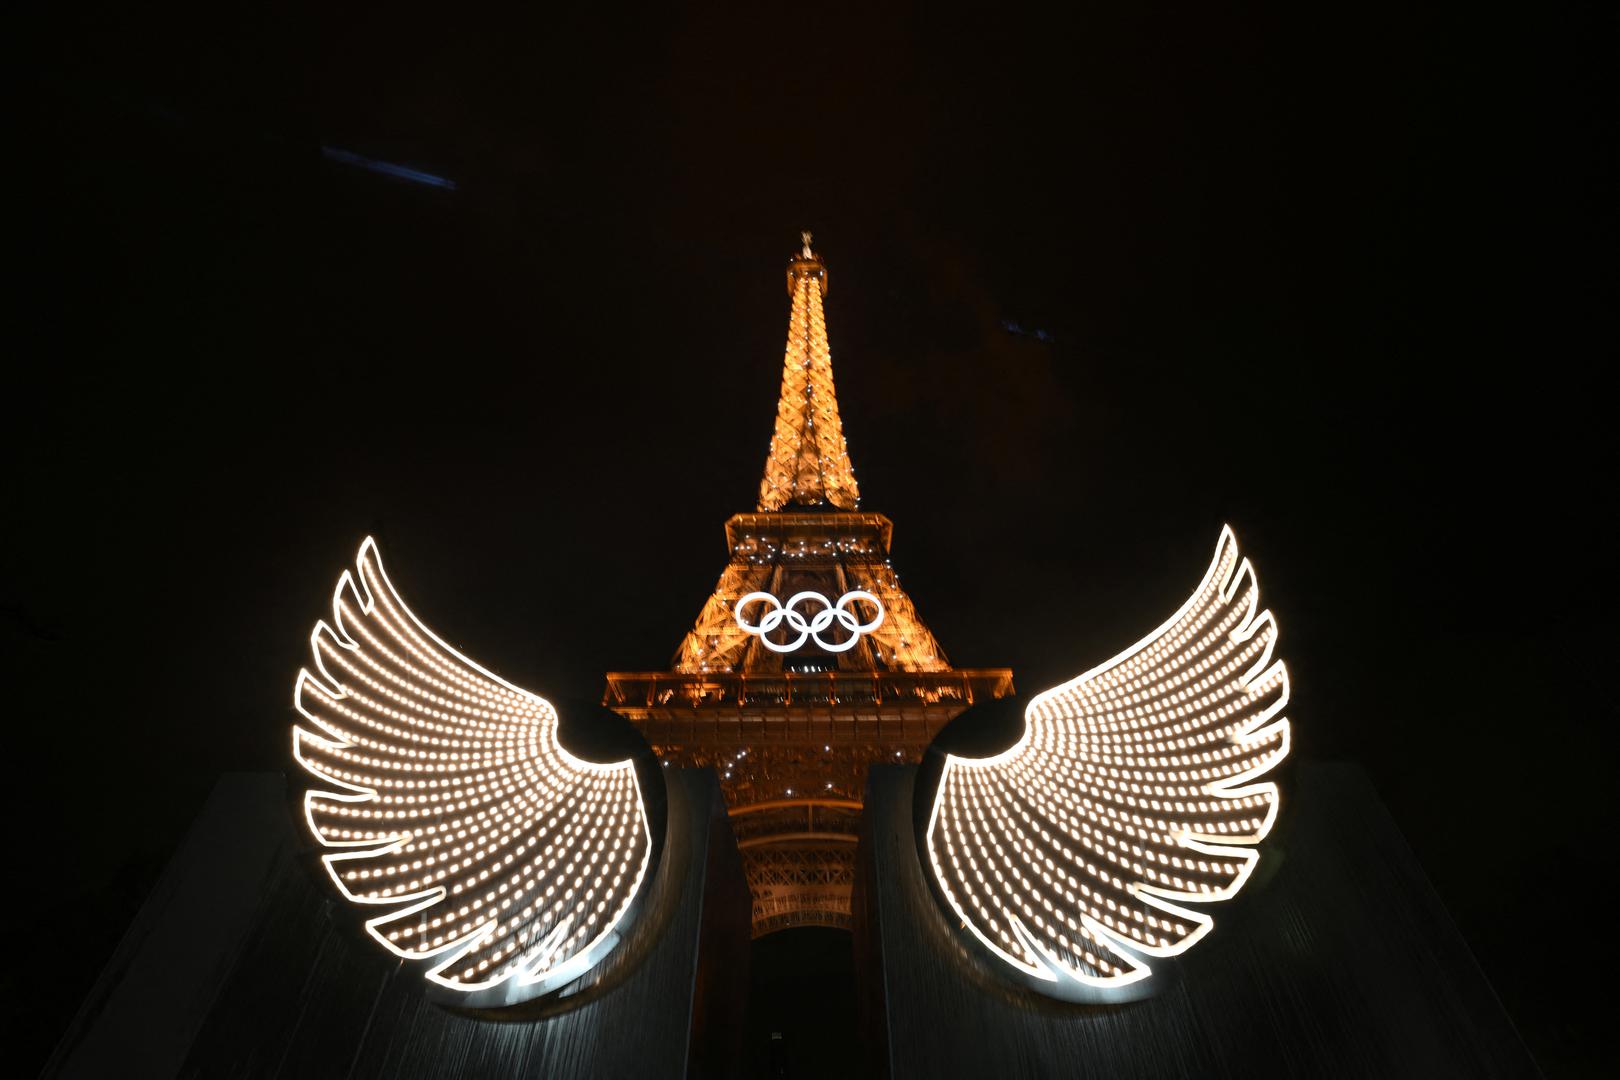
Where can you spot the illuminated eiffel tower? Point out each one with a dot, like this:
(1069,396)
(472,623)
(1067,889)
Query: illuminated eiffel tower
(809,662)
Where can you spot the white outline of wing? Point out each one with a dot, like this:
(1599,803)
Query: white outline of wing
(529,968)
(1267,725)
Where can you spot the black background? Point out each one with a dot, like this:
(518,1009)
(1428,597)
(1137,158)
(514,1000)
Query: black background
(1328,273)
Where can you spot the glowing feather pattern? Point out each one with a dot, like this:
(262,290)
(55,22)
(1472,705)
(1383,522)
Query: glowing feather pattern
(495,854)
(1133,792)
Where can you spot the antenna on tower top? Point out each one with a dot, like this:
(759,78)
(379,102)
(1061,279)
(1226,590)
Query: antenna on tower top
(805,236)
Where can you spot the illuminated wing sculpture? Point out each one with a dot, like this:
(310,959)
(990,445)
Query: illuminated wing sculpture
(491,851)
(1132,792)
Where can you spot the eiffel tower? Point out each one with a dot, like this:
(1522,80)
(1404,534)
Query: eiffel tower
(808,662)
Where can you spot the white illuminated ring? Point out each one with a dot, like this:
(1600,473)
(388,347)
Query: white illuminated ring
(811,628)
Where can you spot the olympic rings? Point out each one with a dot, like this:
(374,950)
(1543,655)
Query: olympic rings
(811,628)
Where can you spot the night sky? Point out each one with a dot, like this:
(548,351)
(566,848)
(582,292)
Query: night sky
(1332,276)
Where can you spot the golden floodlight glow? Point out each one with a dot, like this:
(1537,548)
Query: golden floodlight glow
(495,852)
(1132,787)
(808,462)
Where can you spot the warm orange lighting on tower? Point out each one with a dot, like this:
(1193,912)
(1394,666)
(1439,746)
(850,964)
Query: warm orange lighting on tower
(808,662)
(808,464)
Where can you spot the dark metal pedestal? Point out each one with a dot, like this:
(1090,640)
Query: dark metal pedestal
(1336,960)
(241,964)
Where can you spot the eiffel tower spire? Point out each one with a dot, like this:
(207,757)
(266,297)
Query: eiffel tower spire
(808,464)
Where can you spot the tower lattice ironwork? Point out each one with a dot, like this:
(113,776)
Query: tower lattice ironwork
(792,713)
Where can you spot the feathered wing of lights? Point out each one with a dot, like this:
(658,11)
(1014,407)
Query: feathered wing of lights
(492,852)
(1133,792)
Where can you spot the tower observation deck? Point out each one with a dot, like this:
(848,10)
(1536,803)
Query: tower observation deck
(808,662)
